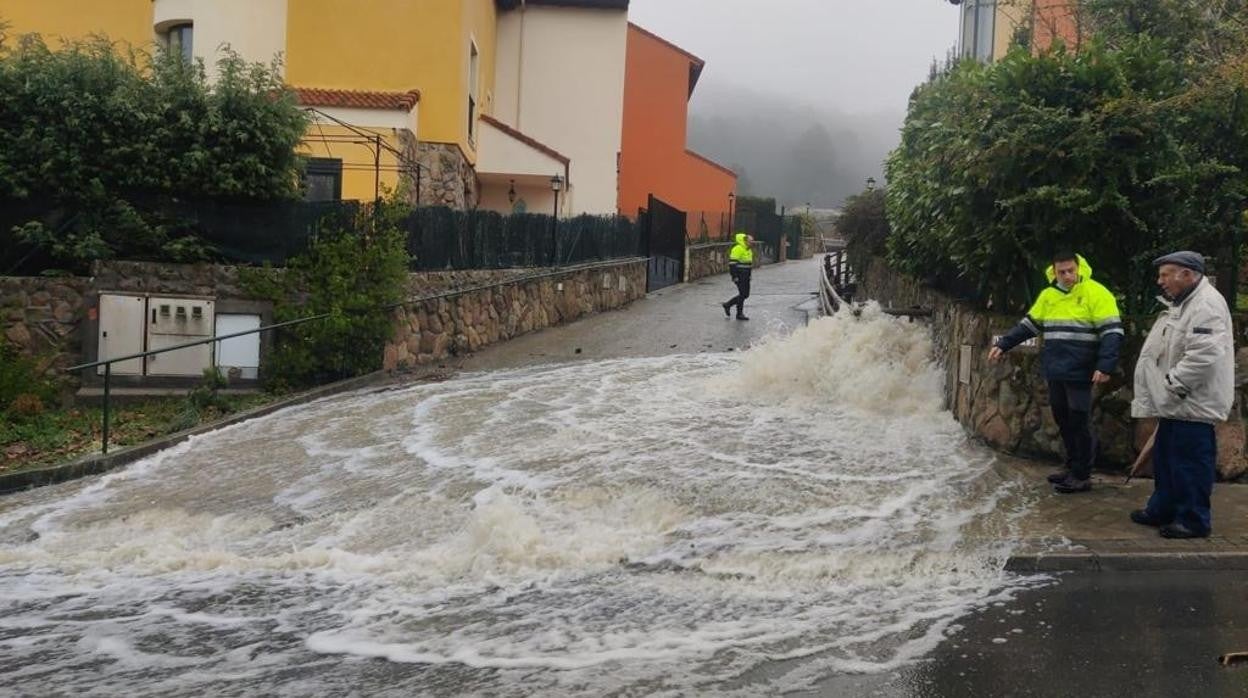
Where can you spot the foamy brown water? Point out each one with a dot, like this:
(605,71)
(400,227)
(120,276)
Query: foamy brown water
(667,525)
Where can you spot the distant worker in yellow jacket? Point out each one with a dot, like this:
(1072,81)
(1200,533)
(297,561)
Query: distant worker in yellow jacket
(740,266)
(1082,331)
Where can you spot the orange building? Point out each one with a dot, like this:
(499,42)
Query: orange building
(659,78)
(1055,19)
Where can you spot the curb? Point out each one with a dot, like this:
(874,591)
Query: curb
(1186,561)
(100,463)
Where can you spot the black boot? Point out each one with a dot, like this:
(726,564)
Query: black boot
(1059,476)
(727,308)
(741,317)
(1071,485)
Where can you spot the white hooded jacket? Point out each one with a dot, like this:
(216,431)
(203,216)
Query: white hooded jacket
(1186,370)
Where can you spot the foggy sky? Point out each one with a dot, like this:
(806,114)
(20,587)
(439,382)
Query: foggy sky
(844,66)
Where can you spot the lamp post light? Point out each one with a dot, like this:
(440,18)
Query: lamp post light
(511,193)
(556,185)
(870,183)
(732,198)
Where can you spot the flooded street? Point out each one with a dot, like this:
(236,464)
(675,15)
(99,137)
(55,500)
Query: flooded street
(714,522)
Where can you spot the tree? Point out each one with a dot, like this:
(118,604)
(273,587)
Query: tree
(93,141)
(864,227)
(1120,151)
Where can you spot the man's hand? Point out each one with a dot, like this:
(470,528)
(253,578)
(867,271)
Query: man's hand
(995,354)
(1098,377)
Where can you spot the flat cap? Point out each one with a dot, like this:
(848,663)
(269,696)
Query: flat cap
(1192,260)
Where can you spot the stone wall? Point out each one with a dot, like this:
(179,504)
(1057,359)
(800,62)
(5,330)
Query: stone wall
(706,260)
(41,316)
(446,177)
(54,317)
(1006,404)
(432,330)
(171,279)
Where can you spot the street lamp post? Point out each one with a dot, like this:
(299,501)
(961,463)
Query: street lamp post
(732,198)
(556,185)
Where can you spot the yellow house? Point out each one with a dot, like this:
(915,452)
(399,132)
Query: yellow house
(396,88)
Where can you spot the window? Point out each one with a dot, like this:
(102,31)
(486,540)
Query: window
(979,19)
(474,60)
(179,39)
(322,179)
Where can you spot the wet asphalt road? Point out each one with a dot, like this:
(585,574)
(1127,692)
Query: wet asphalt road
(1088,634)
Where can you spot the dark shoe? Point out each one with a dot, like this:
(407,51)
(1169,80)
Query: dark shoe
(1141,517)
(742,317)
(1058,477)
(1072,485)
(727,309)
(1177,530)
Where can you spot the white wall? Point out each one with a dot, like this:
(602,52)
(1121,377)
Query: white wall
(537,198)
(504,155)
(255,29)
(561,81)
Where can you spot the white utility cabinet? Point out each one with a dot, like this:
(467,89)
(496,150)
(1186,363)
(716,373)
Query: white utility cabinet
(241,354)
(121,332)
(172,321)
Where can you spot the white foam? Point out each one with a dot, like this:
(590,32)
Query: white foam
(684,520)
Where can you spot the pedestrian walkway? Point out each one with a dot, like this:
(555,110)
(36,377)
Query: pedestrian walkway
(1092,530)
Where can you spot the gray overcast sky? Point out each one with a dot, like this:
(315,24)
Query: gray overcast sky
(851,56)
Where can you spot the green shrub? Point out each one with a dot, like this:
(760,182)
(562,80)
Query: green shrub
(348,277)
(1120,153)
(21,376)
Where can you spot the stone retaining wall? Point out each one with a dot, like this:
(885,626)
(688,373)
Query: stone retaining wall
(706,260)
(52,317)
(432,330)
(41,316)
(1006,404)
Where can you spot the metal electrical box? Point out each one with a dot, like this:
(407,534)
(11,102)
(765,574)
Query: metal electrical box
(121,332)
(173,321)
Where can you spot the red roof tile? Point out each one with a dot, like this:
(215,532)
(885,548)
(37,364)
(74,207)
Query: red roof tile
(316,97)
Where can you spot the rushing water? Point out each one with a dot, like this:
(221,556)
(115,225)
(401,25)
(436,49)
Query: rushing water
(685,524)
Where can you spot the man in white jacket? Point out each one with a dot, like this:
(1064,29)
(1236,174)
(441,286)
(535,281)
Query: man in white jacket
(1185,377)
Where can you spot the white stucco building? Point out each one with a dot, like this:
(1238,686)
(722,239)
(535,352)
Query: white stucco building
(559,95)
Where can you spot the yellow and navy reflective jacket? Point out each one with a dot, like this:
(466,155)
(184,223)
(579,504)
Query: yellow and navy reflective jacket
(1081,328)
(741,256)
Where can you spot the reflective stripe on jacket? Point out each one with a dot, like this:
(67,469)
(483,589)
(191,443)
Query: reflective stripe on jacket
(1186,369)
(1081,328)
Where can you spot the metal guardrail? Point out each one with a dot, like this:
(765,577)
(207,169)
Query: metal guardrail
(108,363)
(836,273)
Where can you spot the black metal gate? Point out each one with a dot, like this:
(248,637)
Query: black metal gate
(663,241)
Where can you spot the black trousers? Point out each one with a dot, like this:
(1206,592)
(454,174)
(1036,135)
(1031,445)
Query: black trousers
(742,280)
(1185,458)
(1071,402)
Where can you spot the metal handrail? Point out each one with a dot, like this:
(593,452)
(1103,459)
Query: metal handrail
(108,363)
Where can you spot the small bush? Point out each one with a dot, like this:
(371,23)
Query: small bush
(22,375)
(25,406)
